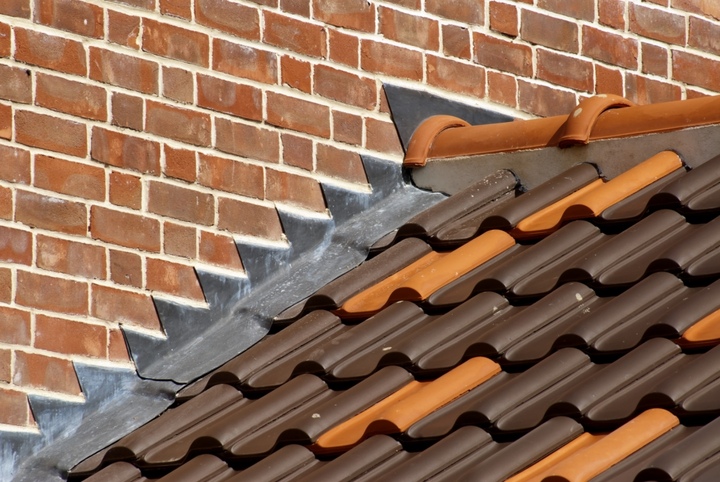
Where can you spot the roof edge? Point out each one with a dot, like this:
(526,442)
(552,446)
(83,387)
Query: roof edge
(593,119)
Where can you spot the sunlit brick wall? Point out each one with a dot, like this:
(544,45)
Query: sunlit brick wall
(138,137)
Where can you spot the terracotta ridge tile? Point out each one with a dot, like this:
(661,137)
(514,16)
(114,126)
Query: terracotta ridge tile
(588,455)
(591,200)
(423,277)
(412,402)
(704,332)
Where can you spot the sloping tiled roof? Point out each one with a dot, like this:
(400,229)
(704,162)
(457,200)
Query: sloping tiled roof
(569,332)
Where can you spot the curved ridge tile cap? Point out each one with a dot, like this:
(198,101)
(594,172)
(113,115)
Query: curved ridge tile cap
(428,274)
(588,455)
(537,133)
(581,121)
(412,402)
(424,136)
(593,199)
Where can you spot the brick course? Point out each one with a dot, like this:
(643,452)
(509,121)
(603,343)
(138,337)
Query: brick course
(139,137)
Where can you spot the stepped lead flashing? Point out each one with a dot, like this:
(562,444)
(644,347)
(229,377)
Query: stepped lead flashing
(595,118)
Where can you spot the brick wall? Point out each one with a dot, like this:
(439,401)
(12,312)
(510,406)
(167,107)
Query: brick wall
(138,137)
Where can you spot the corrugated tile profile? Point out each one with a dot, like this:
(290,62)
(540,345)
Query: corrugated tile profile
(566,333)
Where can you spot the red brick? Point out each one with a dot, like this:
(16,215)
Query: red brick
(121,150)
(5,40)
(252,219)
(409,29)
(176,43)
(290,188)
(610,47)
(643,90)
(178,84)
(71,97)
(704,35)
(298,7)
(125,229)
(123,29)
(16,84)
(298,115)
(694,94)
(456,41)
(5,369)
(415,4)
(44,372)
(296,35)
(244,61)
(503,55)
(6,285)
(608,81)
(176,8)
(239,20)
(297,151)
(51,133)
(344,48)
(578,9)
(296,73)
(120,306)
(6,120)
(180,164)
(15,8)
(456,76)
(696,70)
(345,87)
(123,70)
(16,246)
(6,203)
(56,53)
(179,240)
(267,3)
(352,14)
(549,31)
(654,59)
(14,408)
(125,190)
(382,137)
(466,11)
(388,59)
(117,349)
(565,70)
(146,4)
(657,24)
(173,278)
(340,163)
(229,97)
(70,257)
(16,165)
(247,140)
(709,8)
(15,326)
(231,176)
(502,88)
(71,15)
(53,294)
(504,18)
(127,111)
(50,212)
(181,203)
(72,178)
(544,101)
(612,13)
(59,335)
(347,128)
(126,268)
(219,250)
(176,123)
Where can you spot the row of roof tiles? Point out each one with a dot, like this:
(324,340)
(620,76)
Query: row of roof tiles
(494,336)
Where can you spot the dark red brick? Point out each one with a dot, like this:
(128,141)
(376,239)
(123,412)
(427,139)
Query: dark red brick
(176,123)
(231,176)
(180,164)
(696,70)
(15,8)
(52,52)
(251,219)
(219,250)
(456,76)
(176,43)
(456,41)
(49,212)
(181,203)
(125,190)
(75,98)
(124,71)
(16,165)
(44,372)
(293,34)
(298,115)
(297,151)
(610,47)
(409,29)
(238,20)
(247,140)
(178,84)
(15,326)
(126,268)
(344,48)
(657,24)
(392,60)
(125,229)
(466,11)
(245,62)
(71,15)
(564,70)
(173,278)
(72,178)
(127,111)
(704,35)
(549,31)
(121,150)
(16,246)
(296,73)
(644,90)
(121,306)
(340,163)
(70,257)
(382,137)
(503,55)
(179,240)
(49,293)
(578,9)
(352,14)
(285,187)
(347,128)
(345,87)
(504,18)
(544,101)
(123,29)
(229,97)
(608,81)
(69,337)
(16,84)
(51,133)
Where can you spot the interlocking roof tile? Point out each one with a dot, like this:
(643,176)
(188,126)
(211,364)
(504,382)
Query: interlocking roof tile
(569,332)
